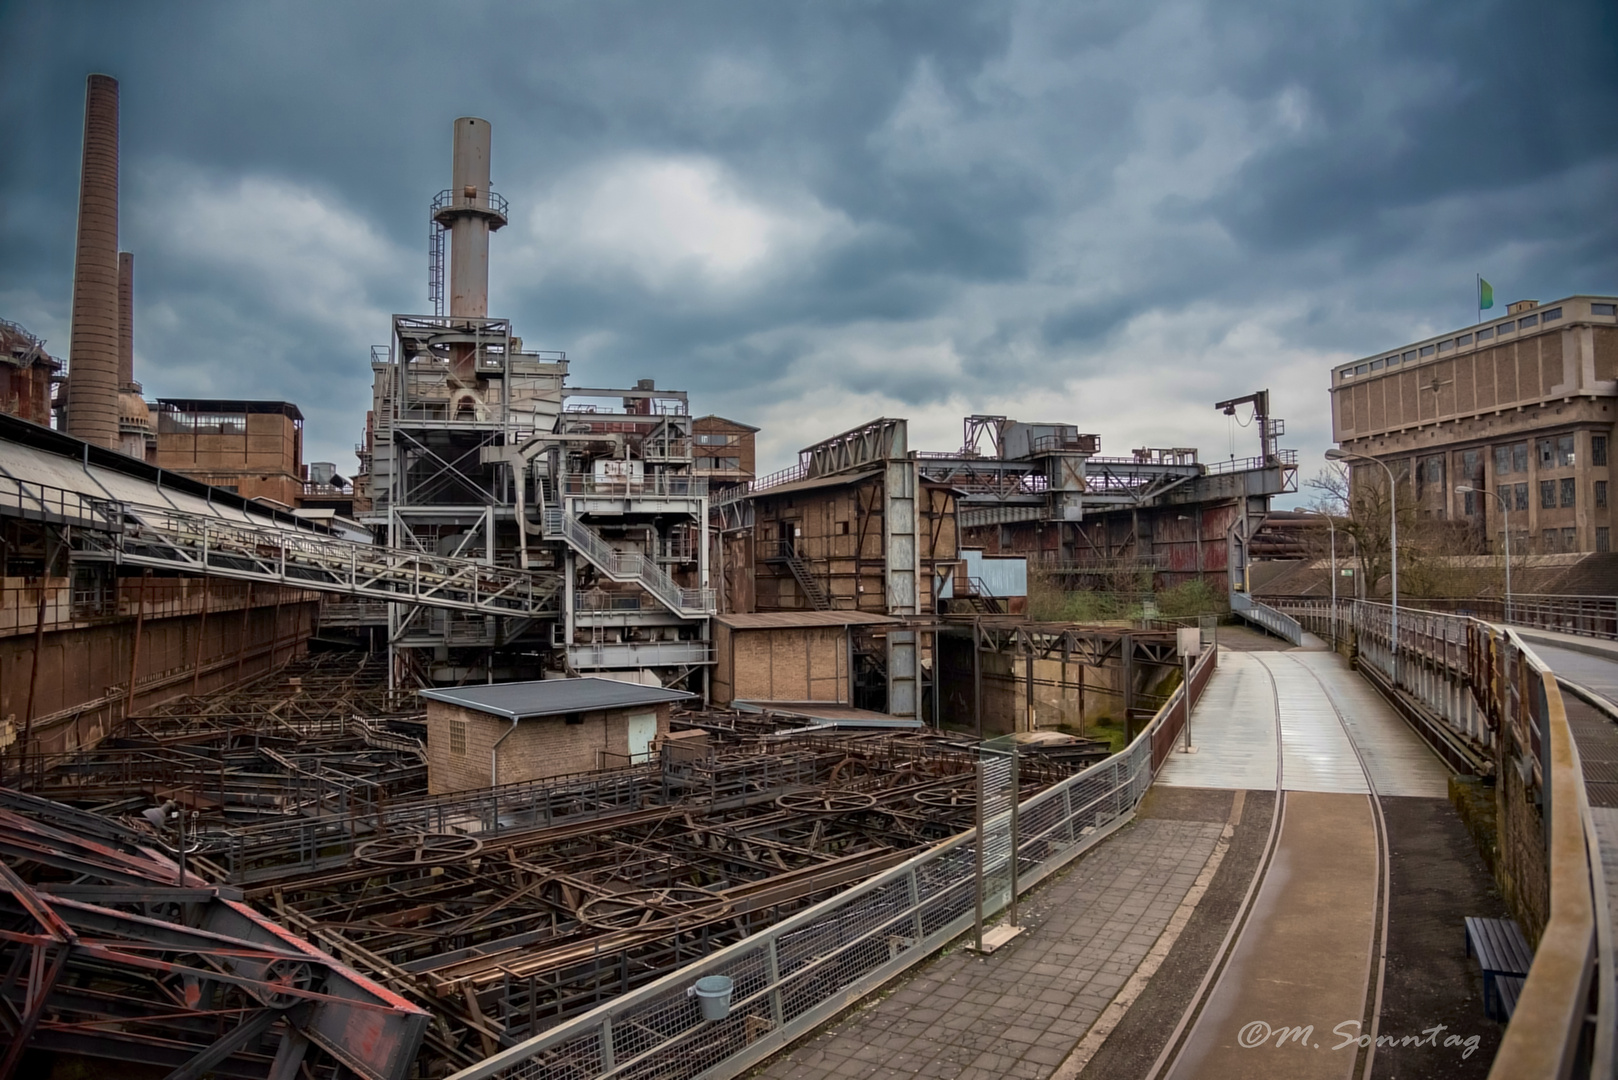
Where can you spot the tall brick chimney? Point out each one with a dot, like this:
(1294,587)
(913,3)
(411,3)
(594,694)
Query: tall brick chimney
(92,389)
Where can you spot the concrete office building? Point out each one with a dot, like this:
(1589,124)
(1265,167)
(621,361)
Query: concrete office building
(1522,405)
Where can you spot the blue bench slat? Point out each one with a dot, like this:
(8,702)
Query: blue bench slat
(1507,988)
(1499,946)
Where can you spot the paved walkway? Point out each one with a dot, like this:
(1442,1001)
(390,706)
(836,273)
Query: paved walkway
(1234,729)
(1019,1011)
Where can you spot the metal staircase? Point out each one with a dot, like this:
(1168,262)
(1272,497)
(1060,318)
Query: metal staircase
(167,539)
(812,589)
(630,566)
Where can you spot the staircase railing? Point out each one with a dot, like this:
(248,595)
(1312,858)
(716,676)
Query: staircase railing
(806,581)
(1276,622)
(635,567)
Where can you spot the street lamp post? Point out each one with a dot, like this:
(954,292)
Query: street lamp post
(1505,512)
(1336,454)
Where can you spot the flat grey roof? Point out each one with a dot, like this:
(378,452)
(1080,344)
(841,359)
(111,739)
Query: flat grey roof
(552,697)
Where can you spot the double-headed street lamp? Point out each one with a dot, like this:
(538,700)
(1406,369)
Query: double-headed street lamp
(1505,511)
(1335,454)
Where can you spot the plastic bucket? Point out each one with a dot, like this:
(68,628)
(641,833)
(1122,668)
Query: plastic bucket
(713,995)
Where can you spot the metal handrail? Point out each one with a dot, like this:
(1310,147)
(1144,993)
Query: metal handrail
(1280,457)
(1487,684)
(792,976)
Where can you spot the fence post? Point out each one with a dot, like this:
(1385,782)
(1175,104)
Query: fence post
(772,965)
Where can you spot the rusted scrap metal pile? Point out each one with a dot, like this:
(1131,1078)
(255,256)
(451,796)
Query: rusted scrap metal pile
(494,913)
(109,951)
(319,735)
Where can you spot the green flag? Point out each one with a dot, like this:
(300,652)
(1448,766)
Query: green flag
(1485,295)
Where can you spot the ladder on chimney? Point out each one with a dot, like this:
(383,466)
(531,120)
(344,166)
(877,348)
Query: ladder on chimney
(812,589)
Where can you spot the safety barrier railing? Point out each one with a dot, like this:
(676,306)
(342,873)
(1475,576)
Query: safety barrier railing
(1489,688)
(655,485)
(46,502)
(165,538)
(1280,457)
(795,975)
(1276,622)
(636,567)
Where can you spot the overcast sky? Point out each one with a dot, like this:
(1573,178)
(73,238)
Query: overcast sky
(808,215)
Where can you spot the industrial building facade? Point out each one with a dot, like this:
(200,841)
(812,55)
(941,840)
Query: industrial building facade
(1520,406)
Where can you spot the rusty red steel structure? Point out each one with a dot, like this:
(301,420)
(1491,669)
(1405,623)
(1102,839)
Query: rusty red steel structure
(110,951)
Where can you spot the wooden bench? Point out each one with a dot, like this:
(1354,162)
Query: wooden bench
(1503,954)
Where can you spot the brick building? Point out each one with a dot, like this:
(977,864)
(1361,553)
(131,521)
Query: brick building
(26,374)
(505,733)
(253,448)
(723,451)
(1521,405)
(787,656)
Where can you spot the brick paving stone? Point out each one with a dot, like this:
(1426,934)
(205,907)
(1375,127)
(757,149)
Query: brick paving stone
(1019,1011)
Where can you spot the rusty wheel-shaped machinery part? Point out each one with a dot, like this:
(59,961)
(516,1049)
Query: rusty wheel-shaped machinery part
(407,849)
(955,798)
(285,983)
(826,802)
(639,908)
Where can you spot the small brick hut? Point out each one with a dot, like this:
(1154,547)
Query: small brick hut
(505,733)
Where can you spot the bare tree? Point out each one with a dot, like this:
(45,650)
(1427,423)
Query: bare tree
(1433,552)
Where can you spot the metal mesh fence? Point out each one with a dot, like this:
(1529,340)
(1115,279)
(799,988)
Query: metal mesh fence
(795,975)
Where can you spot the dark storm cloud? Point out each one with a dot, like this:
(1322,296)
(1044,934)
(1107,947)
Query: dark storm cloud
(873,205)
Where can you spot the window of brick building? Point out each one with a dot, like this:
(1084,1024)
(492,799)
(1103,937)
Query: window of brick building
(1598,449)
(1521,501)
(1569,487)
(1547,542)
(1564,451)
(1519,457)
(1547,494)
(1603,540)
(1469,503)
(1570,539)
(1547,454)
(457,738)
(1601,494)
(1502,460)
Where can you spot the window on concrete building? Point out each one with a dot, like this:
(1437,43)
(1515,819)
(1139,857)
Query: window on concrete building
(1409,356)
(457,738)
(1551,314)
(1505,328)
(1598,449)
(1521,501)
(1446,345)
(1362,369)
(1486,333)
(1464,339)
(1502,460)
(1569,487)
(1376,365)
(1570,539)
(1528,320)
(1547,494)
(1428,350)
(1547,542)
(1603,540)
(1603,309)
(1519,457)
(1430,476)
(1564,451)
(1547,454)
(1504,491)
(1601,494)
(1469,503)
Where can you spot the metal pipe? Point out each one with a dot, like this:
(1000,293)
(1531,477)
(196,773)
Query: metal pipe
(92,388)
